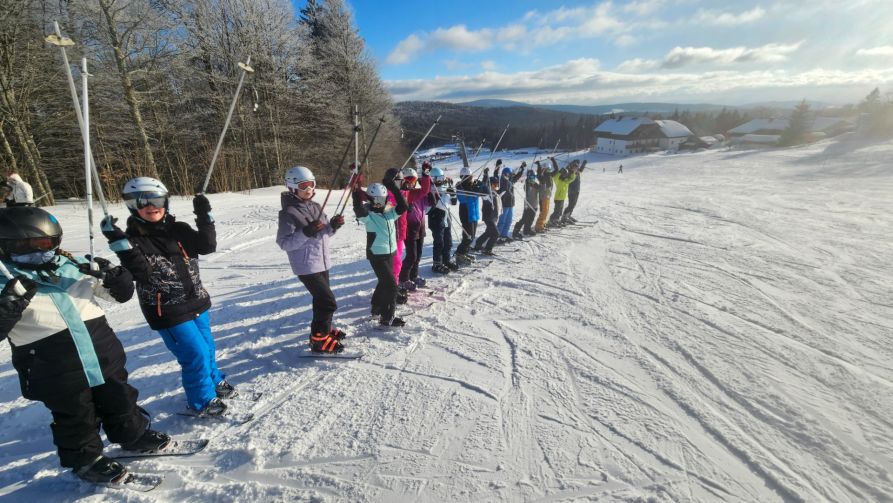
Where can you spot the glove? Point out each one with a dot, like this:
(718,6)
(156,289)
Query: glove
(11,293)
(486,171)
(103,267)
(313,228)
(111,231)
(426,168)
(336,222)
(201,205)
(358,181)
(118,281)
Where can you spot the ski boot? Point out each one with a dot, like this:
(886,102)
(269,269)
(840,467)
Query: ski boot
(320,343)
(530,232)
(452,266)
(419,281)
(225,390)
(337,333)
(440,269)
(393,322)
(463,260)
(149,441)
(517,237)
(102,470)
(408,285)
(214,408)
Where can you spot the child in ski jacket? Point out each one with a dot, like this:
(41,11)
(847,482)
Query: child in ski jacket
(64,350)
(507,187)
(469,192)
(443,196)
(162,254)
(544,176)
(381,241)
(573,193)
(304,231)
(531,200)
(20,191)
(490,211)
(562,179)
(415,226)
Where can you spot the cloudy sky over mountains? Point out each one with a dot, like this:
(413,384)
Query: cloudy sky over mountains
(646,50)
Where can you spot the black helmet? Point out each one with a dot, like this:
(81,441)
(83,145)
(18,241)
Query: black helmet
(26,229)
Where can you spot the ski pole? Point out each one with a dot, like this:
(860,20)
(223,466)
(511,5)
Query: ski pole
(492,151)
(355,174)
(88,157)
(337,174)
(343,199)
(420,143)
(62,42)
(478,151)
(19,289)
(246,69)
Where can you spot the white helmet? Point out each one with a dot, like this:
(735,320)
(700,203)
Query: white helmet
(464,172)
(294,176)
(378,193)
(437,175)
(142,191)
(409,172)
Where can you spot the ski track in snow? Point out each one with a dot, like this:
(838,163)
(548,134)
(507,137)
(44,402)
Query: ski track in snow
(717,330)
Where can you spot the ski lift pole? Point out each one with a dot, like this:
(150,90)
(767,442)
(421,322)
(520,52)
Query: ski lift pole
(337,174)
(246,69)
(494,149)
(88,157)
(421,142)
(354,176)
(62,42)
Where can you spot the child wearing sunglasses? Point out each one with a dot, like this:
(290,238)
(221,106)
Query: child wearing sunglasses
(304,231)
(64,350)
(162,254)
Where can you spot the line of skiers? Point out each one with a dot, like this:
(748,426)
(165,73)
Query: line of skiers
(68,357)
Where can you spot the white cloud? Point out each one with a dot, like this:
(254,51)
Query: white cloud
(637,65)
(488,64)
(706,16)
(534,29)
(582,81)
(680,57)
(883,50)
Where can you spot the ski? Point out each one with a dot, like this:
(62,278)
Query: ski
(181,447)
(234,418)
(247,395)
(135,481)
(344,355)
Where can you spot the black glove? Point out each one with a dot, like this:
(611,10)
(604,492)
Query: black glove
(201,205)
(102,267)
(313,228)
(111,231)
(486,172)
(336,222)
(119,282)
(9,292)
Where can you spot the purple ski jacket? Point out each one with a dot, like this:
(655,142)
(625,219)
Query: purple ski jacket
(307,255)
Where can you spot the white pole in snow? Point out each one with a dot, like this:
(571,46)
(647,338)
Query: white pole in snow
(246,68)
(88,157)
(19,289)
(61,42)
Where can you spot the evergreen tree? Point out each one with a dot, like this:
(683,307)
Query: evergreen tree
(797,129)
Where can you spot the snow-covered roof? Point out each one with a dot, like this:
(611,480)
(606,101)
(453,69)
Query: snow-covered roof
(622,125)
(673,129)
(761,125)
(709,140)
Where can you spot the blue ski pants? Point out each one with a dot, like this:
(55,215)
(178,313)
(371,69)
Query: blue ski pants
(504,226)
(191,342)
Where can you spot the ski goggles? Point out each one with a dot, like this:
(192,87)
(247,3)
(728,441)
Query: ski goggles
(409,180)
(139,200)
(306,185)
(31,245)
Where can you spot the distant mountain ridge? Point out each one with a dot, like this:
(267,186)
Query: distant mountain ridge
(636,108)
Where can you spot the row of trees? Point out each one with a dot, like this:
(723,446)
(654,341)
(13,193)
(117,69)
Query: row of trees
(877,113)
(164,75)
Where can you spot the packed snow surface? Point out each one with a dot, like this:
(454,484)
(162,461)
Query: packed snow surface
(718,328)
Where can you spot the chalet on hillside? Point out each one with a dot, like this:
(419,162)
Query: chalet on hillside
(635,135)
(768,131)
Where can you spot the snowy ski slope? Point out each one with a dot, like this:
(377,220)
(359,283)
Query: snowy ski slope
(719,329)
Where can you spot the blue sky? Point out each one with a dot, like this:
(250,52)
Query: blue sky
(590,52)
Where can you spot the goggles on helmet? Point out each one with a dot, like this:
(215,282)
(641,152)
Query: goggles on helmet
(139,200)
(31,245)
(409,180)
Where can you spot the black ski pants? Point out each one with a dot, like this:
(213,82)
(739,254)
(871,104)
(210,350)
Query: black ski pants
(470,229)
(324,304)
(413,249)
(488,239)
(78,416)
(526,221)
(571,203)
(384,296)
(556,214)
(442,244)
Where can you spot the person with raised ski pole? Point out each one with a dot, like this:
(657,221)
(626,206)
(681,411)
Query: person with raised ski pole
(162,254)
(490,213)
(443,196)
(544,193)
(573,193)
(562,178)
(304,232)
(531,200)
(66,354)
(418,189)
(507,180)
(470,191)
(373,211)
